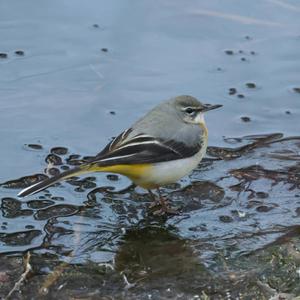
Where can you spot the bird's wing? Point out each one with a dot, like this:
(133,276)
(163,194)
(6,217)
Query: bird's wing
(143,148)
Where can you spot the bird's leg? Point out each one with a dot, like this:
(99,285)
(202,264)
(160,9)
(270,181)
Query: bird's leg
(155,202)
(165,206)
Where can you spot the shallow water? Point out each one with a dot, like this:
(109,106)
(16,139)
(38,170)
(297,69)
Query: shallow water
(86,73)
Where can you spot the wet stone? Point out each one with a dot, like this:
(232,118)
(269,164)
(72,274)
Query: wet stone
(193,204)
(60,210)
(11,208)
(264,208)
(296,89)
(38,204)
(112,112)
(3,55)
(65,168)
(112,177)
(59,150)
(232,91)
(225,219)
(243,59)
(104,50)
(74,156)
(85,183)
(11,204)
(206,190)
(95,25)
(245,119)
(297,211)
(53,159)
(4,277)
(73,160)
(24,182)
(19,238)
(88,158)
(262,195)
(287,112)
(241,96)
(53,171)
(250,85)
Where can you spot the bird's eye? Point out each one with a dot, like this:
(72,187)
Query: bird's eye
(189,110)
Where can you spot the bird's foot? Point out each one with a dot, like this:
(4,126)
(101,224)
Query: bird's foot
(163,207)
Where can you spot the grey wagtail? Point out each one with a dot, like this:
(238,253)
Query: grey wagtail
(160,148)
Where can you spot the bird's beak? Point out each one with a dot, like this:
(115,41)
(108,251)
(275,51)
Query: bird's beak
(208,107)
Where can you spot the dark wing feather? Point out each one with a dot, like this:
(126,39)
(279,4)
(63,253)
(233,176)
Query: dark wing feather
(114,143)
(143,149)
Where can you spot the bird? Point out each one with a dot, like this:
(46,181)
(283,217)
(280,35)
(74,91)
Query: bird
(160,148)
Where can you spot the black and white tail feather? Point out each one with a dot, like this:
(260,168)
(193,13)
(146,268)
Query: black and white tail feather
(141,148)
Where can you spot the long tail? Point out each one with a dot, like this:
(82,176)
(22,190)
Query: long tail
(37,187)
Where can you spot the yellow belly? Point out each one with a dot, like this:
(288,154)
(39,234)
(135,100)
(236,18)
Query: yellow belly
(137,173)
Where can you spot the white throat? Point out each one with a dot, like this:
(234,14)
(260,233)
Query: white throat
(200,118)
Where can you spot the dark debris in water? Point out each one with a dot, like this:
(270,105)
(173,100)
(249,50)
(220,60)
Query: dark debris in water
(231,153)
(250,85)
(33,146)
(20,52)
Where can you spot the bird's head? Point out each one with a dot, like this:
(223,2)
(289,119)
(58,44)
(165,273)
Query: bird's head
(192,110)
